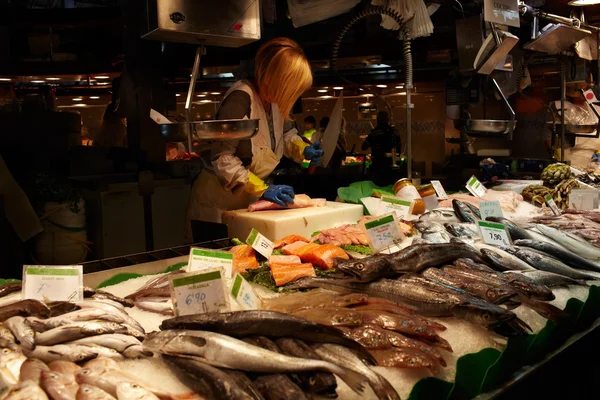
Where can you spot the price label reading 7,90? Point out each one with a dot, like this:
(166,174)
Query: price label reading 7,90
(494,234)
(199,292)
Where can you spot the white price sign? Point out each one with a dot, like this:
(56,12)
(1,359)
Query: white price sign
(260,243)
(439,190)
(199,292)
(389,204)
(202,259)
(503,12)
(552,204)
(583,199)
(494,234)
(383,233)
(475,187)
(53,283)
(490,209)
(244,294)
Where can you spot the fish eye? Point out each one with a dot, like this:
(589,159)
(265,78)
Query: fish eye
(492,293)
(5,351)
(360,266)
(486,316)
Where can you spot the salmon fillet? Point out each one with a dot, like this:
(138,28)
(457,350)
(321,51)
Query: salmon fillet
(243,250)
(305,249)
(284,260)
(244,258)
(290,249)
(323,256)
(285,273)
(289,240)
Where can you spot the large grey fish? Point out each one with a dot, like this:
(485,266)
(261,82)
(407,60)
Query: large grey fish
(77,330)
(129,346)
(503,261)
(440,216)
(572,242)
(102,295)
(416,258)
(515,231)
(547,278)
(89,392)
(25,390)
(227,352)
(367,269)
(245,383)
(474,209)
(548,263)
(463,212)
(216,384)
(536,235)
(24,308)
(468,263)
(32,369)
(9,288)
(22,330)
(568,257)
(264,323)
(342,356)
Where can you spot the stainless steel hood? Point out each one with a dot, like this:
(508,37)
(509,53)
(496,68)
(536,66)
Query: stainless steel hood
(229,23)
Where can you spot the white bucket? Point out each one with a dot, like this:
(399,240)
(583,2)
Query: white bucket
(64,239)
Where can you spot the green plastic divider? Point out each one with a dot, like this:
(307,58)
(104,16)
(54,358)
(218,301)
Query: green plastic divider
(7,281)
(125,276)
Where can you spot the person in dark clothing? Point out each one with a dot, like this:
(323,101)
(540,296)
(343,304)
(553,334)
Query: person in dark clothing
(382,139)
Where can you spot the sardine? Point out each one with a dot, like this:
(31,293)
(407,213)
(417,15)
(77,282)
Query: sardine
(65,352)
(436,237)
(463,230)
(375,338)
(26,390)
(133,391)
(317,383)
(89,392)
(9,288)
(514,230)
(158,305)
(546,278)
(548,263)
(342,356)
(568,257)
(278,387)
(102,295)
(463,212)
(264,323)
(429,226)
(288,303)
(24,308)
(574,243)
(393,308)
(404,358)
(218,384)
(367,269)
(441,216)
(416,258)
(32,369)
(23,332)
(67,368)
(129,346)
(58,386)
(10,366)
(86,314)
(503,261)
(227,352)
(77,330)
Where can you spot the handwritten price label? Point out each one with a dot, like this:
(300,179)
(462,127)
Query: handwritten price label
(55,283)
(199,292)
(490,209)
(494,234)
(401,208)
(475,187)
(383,233)
(260,243)
(439,190)
(244,294)
(550,203)
(201,259)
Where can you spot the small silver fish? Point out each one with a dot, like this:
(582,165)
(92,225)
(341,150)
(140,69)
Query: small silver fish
(23,332)
(133,391)
(89,392)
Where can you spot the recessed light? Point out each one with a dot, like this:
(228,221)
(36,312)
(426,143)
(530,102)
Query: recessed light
(80,105)
(326,97)
(200,95)
(205,101)
(5,79)
(322,90)
(103,83)
(94,97)
(382,86)
(215,93)
(77,99)
(38,81)
(338,88)
(402,93)
(177,95)
(53,79)
(102,77)
(400,87)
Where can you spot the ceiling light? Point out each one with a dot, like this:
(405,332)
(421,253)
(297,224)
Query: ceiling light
(338,88)
(326,97)
(583,3)
(200,95)
(402,93)
(53,79)
(322,90)
(38,81)
(400,87)
(382,86)
(77,99)
(205,101)
(215,93)
(102,77)
(80,105)
(177,95)
(94,97)
(103,83)
(5,79)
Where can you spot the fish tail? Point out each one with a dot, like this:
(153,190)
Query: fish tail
(353,379)
(548,311)
(383,389)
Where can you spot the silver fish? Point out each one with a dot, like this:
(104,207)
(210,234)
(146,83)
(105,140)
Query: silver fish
(546,278)
(129,346)
(67,368)
(464,230)
(65,352)
(89,392)
(503,261)
(113,308)
(227,352)
(133,391)
(439,216)
(23,332)
(87,314)
(159,305)
(571,242)
(10,366)
(429,226)
(26,390)
(77,330)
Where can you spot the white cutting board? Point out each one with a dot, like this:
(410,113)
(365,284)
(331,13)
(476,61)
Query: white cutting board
(301,221)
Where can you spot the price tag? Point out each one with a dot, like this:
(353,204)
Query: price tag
(383,233)
(490,209)
(476,188)
(199,292)
(260,243)
(53,283)
(439,190)
(494,233)
(244,294)
(401,208)
(550,203)
(583,199)
(202,259)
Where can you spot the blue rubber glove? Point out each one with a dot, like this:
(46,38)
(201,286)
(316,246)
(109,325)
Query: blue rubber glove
(313,153)
(279,194)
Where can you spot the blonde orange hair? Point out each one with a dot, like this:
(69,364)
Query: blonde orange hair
(282,73)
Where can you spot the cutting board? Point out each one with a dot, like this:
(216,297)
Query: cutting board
(301,221)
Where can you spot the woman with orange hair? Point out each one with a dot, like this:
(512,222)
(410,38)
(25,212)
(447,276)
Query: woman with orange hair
(236,170)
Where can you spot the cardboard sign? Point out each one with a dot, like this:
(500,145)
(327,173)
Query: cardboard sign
(401,208)
(439,190)
(490,209)
(53,283)
(503,12)
(199,292)
(475,187)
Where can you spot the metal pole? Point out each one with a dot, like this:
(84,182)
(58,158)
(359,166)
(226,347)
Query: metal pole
(563,95)
(190,95)
(409,106)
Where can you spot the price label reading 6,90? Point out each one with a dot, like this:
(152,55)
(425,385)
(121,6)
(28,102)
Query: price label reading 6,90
(199,292)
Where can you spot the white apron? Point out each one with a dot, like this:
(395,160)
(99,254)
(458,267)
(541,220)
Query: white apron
(209,199)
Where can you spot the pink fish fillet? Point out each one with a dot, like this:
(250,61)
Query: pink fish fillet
(300,201)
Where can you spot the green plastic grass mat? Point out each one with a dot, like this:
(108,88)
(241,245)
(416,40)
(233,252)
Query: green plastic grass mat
(7,281)
(125,276)
(358,190)
(488,369)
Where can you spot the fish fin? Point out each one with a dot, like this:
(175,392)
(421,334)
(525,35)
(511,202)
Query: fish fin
(353,379)
(383,389)
(548,311)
